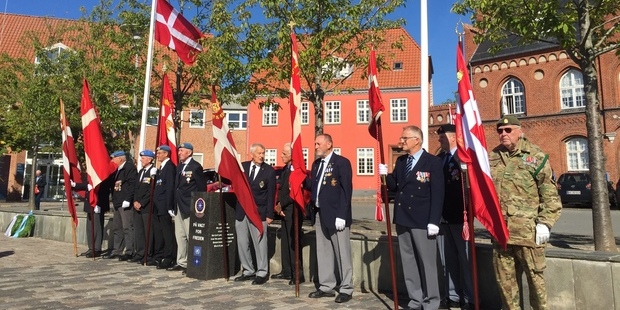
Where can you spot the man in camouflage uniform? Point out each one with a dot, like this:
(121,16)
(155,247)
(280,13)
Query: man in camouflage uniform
(530,206)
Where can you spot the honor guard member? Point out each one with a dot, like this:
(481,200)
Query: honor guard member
(331,185)
(142,207)
(164,244)
(95,214)
(122,196)
(262,180)
(189,178)
(418,182)
(453,249)
(530,205)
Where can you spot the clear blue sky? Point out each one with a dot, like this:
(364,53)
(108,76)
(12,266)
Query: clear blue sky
(441,34)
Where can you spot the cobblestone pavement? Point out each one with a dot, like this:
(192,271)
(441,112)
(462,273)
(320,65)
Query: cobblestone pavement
(44,274)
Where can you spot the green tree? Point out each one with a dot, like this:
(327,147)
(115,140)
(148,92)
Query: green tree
(585,30)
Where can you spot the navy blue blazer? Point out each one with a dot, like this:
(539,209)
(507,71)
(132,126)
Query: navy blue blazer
(190,178)
(103,195)
(124,186)
(143,188)
(419,197)
(163,193)
(453,200)
(263,190)
(335,192)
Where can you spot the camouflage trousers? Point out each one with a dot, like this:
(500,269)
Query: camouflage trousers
(510,264)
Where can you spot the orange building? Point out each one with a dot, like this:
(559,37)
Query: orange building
(346,115)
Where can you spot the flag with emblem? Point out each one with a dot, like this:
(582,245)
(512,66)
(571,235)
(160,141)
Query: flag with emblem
(71,167)
(176,32)
(165,128)
(472,150)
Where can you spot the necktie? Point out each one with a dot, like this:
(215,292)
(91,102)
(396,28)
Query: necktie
(448,158)
(252,172)
(142,174)
(409,165)
(317,180)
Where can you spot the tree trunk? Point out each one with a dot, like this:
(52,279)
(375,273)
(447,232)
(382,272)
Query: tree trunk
(33,170)
(319,95)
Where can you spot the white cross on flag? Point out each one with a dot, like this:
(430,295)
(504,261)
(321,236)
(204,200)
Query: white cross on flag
(176,32)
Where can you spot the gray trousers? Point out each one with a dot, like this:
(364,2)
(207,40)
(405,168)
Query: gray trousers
(246,231)
(123,231)
(418,254)
(181,233)
(454,252)
(333,256)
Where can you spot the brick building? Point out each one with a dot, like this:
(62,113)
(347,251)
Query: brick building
(543,87)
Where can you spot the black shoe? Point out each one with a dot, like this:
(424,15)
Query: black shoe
(184,272)
(319,294)
(176,268)
(244,277)
(342,297)
(87,253)
(281,276)
(136,259)
(292,281)
(165,263)
(259,280)
(110,256)
(152,262)
(448,303)
(124,257)
(95,254)
(468,306)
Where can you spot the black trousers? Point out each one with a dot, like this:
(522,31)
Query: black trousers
(98,230)
(164,243)
(140,226)
(287,242)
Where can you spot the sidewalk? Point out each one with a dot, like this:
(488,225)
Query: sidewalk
(43,274)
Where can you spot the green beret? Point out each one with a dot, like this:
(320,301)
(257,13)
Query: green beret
(508,120)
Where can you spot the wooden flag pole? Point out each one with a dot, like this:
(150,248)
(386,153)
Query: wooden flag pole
(74,235)
(472,239)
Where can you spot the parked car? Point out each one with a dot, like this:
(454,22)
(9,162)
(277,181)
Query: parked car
(575,189)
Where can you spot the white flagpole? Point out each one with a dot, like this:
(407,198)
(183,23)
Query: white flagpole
(147,80)
(424,98)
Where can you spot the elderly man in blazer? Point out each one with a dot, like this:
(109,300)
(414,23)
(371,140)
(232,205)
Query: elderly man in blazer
(262,179)
(190,178)
(163,210)
(419,184)
(331,188)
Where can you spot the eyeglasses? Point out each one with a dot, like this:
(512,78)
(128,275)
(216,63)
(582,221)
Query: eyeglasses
(407,138)
(507,130)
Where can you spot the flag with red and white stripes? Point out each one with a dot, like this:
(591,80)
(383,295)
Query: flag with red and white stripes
(98,164)
(376,109)
(472,150)
(298,175)
(71,167)
(165,130)
(176,32)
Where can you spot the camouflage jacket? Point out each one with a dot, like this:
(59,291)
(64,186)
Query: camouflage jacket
(526,192)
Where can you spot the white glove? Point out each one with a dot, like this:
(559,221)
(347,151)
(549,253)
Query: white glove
(72,183)
(153,171)
(383,169)
(97,209)
(340,223)
(125,204)
(432,230)
(90,187)
(542,234)
(171,213)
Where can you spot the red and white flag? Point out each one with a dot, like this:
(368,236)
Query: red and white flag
(71,167)
(452,116)
(472,150)
(98,163)
(176,32)
(375,104)
(228,165)
(298,175)
(165,128)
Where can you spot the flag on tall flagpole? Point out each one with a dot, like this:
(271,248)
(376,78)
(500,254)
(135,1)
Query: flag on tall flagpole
(298,175)
(98,164)
(70,165)
(376,109)
(166,133)
(472,150)
(452,116)
(227,163)
(176,32)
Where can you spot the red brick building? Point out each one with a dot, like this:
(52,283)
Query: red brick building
(543,87)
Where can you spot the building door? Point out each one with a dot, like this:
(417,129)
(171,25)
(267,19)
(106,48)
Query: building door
(396,152)
(50,165)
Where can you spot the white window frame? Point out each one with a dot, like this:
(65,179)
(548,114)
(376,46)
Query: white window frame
(199,158)
(270,115)
(271,156)
(398,110)
(331,112)
(56,50)
(152,111)
(194,122)
(241,124)
(365,161)
(577,154)
(336,150)
(305,113)
(571,90)
(362,111)
(305,151)
(513,97)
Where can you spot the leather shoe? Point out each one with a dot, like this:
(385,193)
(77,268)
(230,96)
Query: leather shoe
(319,294)
(110,256)
(87,253)
(292,281)
(176,268)
(152,262)
(93,255)
(468,306)
(136,259)
(165,263)
(448,303)
(281,276)
(259,280)
(124,257)
(342,297)
(244,277)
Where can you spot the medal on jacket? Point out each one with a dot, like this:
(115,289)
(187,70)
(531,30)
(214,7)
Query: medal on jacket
(117,185)
(261,184)
(188,176)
